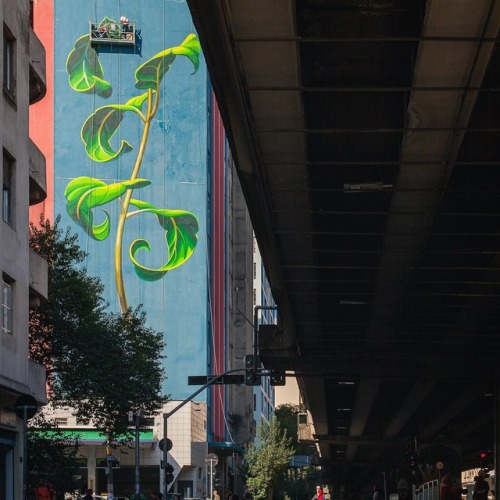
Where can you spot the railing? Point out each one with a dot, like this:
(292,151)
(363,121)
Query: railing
(113,32)
(428,491)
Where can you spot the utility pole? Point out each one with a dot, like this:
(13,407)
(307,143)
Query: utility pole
(135,416)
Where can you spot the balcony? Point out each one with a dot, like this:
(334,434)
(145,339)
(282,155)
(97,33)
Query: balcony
(39,278)
(38,179)
(38,81)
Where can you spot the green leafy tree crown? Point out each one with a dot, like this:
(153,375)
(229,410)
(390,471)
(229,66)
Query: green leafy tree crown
(267,459)
(85,194)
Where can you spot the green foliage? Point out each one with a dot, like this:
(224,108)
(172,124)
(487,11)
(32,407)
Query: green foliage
(85,193)
(267,459)
(181,228)
(85,70)
(287,417)
(150,74)
(101,364)
(74,302)
(98,131)
(295,483)
(51,455)
(118,369)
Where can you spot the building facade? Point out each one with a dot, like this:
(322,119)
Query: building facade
(23,273)
(137,138)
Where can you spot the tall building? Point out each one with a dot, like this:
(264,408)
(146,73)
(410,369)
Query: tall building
(266,314)
(138,141)
(23,273)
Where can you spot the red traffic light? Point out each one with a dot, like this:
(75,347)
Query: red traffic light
(483,455)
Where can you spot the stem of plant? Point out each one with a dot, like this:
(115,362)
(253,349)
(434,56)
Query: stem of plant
(120,287)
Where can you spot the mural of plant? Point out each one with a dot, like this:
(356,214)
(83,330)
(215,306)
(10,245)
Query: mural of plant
(85,194)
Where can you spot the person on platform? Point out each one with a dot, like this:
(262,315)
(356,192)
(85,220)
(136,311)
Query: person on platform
(481,488)
(216,495)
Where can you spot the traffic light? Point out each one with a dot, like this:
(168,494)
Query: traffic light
(252,377)
(483,458)
(278,377)
(413,466)
(169,472)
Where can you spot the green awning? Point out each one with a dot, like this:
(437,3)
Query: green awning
(90,436)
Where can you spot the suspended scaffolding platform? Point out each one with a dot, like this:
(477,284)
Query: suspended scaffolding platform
(109,31)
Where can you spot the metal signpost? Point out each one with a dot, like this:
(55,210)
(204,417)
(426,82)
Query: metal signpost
(26,408)
(211,460)
(211,381)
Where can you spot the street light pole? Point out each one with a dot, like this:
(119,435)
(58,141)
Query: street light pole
(137,415)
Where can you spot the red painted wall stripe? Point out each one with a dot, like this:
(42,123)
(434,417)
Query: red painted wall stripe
(218,267)
(42,112)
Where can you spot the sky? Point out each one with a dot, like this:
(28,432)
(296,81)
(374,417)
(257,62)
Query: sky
(288,393)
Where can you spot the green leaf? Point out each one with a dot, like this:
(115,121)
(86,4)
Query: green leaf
(137,101)
(101,126)
(85,193)
(150,74)
(181,228)
(84,69)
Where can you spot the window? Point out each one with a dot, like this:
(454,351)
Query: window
(7,319)
(9,63)
(8,188)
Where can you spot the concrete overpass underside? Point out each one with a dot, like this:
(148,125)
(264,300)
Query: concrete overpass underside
(366,137)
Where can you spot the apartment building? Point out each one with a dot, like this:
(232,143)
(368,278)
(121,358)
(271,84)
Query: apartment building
(23,273)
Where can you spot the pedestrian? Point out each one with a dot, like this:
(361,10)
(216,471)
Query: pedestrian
(376,492)
(445,487)
(319,493)
(216,495)
(44,490)
(89,495)
(481,488)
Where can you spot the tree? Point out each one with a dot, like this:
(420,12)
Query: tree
(287,417)
(74,302)
(267,459)
(51,454)
(295,484)
(119,369)
(100,364)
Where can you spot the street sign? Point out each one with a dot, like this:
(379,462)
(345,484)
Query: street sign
(102,463)
(26,405)
(212,458)
(225,380)
(161,444)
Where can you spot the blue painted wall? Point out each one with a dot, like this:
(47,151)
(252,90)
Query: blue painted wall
(175,162)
